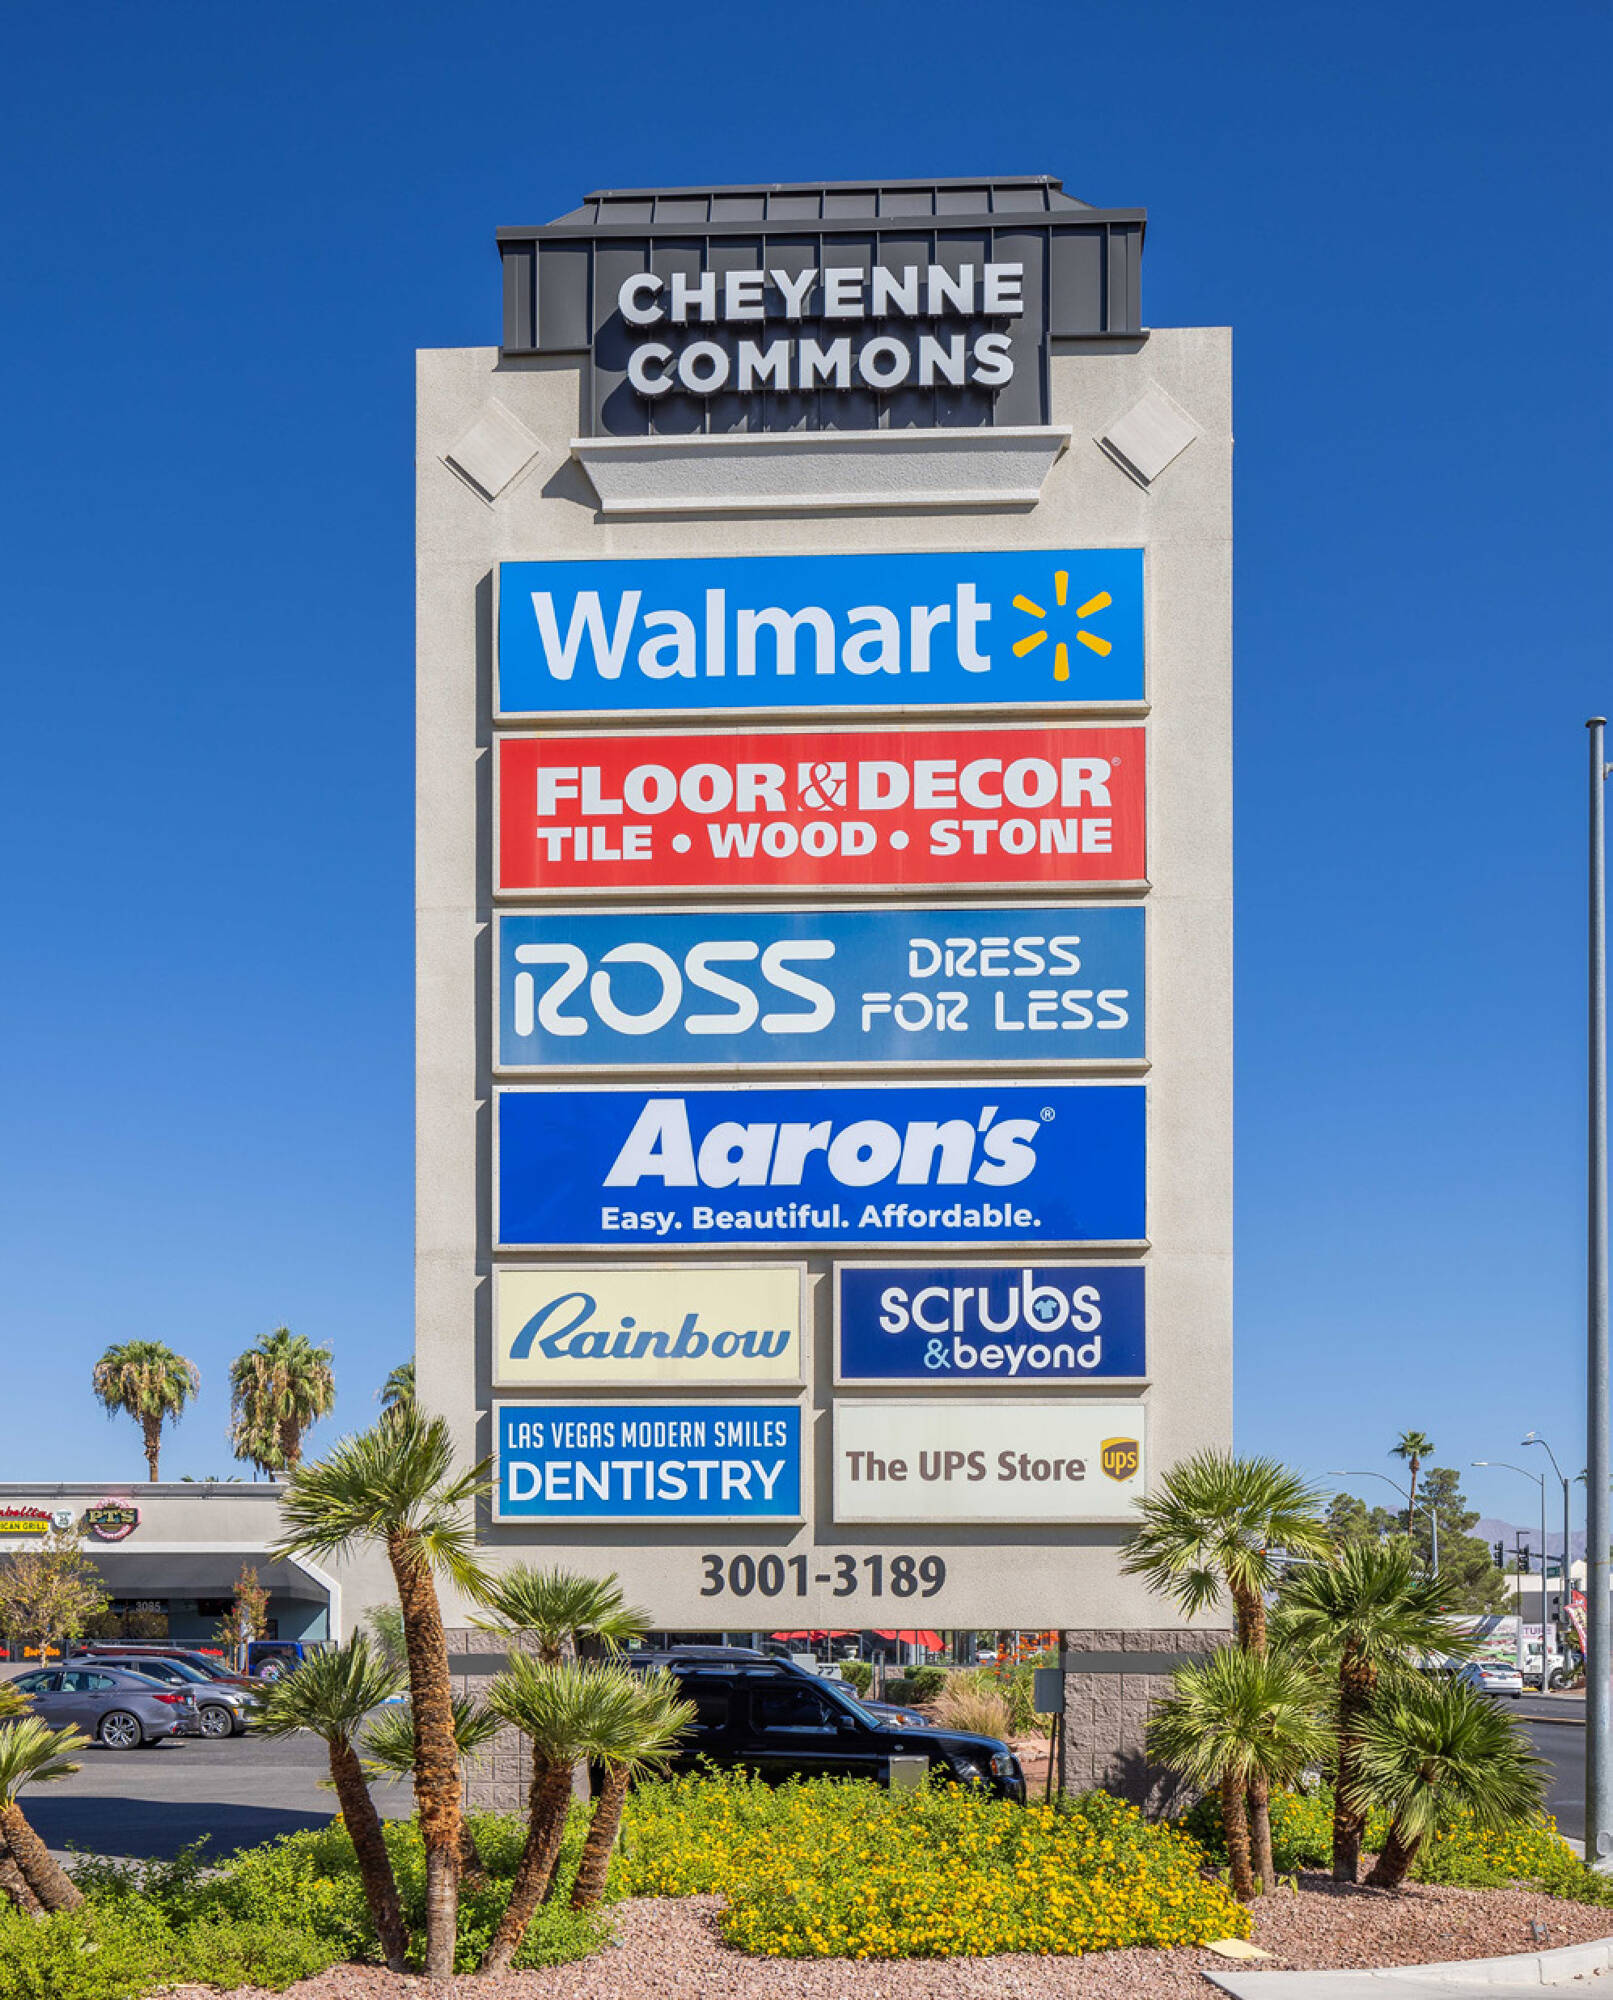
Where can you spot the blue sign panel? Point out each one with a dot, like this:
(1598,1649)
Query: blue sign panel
(649,1462)
(635,987)
(1030,626)
(955,1324)
(760,1164)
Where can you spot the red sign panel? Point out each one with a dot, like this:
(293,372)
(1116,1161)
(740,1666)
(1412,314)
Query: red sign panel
(823,809)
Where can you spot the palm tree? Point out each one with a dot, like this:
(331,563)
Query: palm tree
(1414,1447)
(149,1382)
(637,1723)
(1238,1717)
(1431,1741)
(559,1705)
(1217,1523)
(330,1694)
(31,1753)
(560,1611)
(397,1391)
(278,1389)
(396,1485)
(1365,1613)
(388,1751)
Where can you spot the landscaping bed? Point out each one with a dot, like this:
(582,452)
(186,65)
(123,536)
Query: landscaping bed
(724,1886)
(670,1950)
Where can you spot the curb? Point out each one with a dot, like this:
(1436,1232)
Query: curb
(1559,1967)
(1540,1968)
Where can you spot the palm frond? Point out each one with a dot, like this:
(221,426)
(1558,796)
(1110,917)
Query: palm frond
(32,1753)
(332,1692)
(1217,1521)
(1431,1742)
(560,1606)
(387,1746)
(144,1378)
(1255,1715)
(1373,1600)
(396,1478)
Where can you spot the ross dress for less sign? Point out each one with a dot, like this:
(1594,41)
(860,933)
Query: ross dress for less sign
(820,809)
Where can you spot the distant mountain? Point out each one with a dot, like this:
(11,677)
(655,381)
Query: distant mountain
(1491,1530)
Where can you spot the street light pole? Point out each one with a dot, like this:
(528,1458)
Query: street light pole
(1539,1479)
(1562,1568)
(1598,1525)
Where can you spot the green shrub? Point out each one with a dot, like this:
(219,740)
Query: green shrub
(1457,1852)
(268,1916)
(859,1674)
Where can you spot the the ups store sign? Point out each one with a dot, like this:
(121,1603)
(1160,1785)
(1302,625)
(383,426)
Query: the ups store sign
(842,307)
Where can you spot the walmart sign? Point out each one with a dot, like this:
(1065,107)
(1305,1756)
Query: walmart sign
(1029,626)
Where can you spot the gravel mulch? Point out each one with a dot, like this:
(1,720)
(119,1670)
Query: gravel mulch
(670,1950)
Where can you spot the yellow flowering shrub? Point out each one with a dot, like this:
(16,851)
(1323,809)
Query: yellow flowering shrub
(844,1870)
(1477,1857)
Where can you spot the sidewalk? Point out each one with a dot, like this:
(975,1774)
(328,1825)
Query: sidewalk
(1584,1966)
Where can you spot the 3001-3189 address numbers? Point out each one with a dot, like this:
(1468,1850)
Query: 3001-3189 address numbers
(846,1575)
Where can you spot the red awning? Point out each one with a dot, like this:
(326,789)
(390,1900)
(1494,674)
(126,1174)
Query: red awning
(932,1642)
(844,1632)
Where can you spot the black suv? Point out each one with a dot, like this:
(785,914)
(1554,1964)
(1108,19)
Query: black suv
(773,1717)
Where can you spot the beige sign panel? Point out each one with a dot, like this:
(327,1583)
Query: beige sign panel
(973,1462)
(660,1326)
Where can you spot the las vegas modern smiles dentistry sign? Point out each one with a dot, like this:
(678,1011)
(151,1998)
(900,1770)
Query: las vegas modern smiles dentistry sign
(1042,627)
(1054,1163)
(648,1462)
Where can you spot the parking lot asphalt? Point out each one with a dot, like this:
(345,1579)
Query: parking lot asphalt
(151,1803)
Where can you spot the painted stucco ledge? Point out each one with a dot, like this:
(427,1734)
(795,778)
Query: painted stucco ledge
(1573,1964)
(795,471)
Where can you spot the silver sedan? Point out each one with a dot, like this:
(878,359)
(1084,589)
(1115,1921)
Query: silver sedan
(122,1710)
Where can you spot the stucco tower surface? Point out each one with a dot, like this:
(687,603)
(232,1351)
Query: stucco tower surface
(997,1576)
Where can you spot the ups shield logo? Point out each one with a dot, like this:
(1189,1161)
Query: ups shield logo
(1119,1457)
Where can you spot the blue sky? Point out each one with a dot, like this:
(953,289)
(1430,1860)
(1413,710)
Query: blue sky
(224,235)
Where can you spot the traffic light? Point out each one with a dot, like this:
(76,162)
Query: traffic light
(1500,1555)
(1525,1561)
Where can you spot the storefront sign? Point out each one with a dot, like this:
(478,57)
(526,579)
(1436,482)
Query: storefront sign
(24,1521)
(1054,1163)
(667,1326)
(802,307)
(648,1462)
(997,1461)
(112,1520)
(1035,627)
(703,989)
(951,1324)
(824,809)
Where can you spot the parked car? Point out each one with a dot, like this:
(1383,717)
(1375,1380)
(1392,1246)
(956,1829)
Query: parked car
(894,1716)
(211,1666)
(268,1659)
(122,1710)
(1491,1677)
(223,1708)
(770,1716)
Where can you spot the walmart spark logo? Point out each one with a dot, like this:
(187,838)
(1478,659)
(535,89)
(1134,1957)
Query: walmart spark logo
(1061,652)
